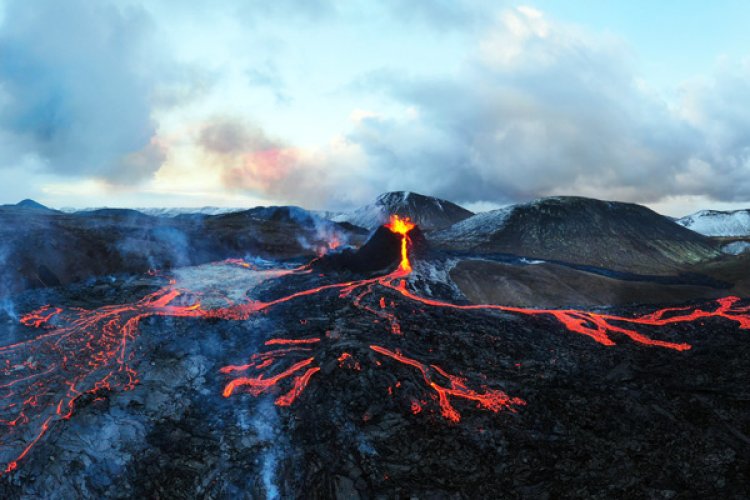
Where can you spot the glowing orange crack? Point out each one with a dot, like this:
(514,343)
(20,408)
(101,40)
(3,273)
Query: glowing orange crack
(491,399)
(258,385)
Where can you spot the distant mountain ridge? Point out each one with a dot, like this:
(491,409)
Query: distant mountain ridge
(165,211)
(610,235)
(28,204)
(43,247)
(426,211)
(718,223)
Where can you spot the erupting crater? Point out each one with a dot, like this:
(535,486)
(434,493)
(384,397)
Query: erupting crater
(84,353)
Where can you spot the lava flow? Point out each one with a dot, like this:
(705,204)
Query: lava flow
(88,353)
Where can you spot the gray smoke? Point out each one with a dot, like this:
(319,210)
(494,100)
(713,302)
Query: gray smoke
(6,302)
(264,422)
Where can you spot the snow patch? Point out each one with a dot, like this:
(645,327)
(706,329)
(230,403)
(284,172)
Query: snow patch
(426,211)
(717,223)
(166,211)
(736,247)
(477,229)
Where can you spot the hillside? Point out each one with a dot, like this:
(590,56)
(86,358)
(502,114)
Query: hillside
(619,236)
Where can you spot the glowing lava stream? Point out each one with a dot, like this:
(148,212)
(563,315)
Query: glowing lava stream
(90,352)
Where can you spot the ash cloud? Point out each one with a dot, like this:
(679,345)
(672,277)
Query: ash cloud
(247,158)
(229,136)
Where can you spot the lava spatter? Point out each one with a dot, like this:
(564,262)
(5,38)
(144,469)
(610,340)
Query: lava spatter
(90,351)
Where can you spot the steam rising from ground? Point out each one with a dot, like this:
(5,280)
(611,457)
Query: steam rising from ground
(266,425)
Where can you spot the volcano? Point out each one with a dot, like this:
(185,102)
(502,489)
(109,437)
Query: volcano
(382,253)
(375,370)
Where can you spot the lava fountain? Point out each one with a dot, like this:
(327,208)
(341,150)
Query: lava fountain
(402,227)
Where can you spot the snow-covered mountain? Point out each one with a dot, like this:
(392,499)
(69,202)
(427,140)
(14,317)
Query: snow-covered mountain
(718,223)
(426,211)
(167,212)
(172,212)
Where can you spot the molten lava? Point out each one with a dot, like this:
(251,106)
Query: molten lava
(402,227)
(491,399)
(91,352)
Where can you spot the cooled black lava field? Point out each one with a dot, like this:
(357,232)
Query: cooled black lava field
(327,379)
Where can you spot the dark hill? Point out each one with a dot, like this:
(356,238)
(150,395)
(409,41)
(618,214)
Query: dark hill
(28,205)
(614,235)
(40,248)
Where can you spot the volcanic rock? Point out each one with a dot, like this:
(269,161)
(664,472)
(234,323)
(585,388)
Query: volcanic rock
(545,284)
(27,203)
(285,214)
(623,421)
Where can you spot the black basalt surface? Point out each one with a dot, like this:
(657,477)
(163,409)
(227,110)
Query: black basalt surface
(625,421)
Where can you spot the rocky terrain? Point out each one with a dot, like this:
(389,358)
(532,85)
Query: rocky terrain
(289,356)
(543,284)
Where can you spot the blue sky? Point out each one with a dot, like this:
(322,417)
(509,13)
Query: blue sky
(674,39)
(328,103)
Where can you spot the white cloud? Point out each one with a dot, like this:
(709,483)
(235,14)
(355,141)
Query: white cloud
(548,109)
(478,106)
